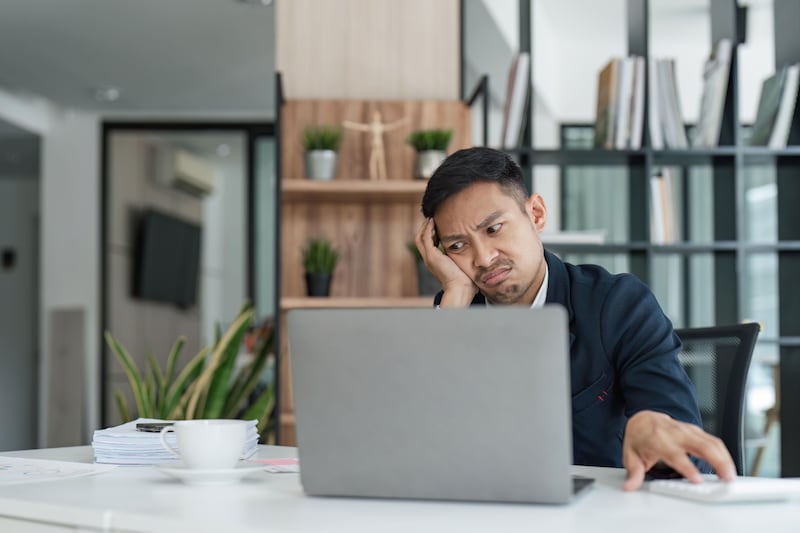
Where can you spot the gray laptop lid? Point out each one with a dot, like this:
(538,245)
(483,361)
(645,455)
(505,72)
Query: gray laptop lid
(467,404)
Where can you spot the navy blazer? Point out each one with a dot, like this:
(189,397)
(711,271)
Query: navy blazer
(623,356)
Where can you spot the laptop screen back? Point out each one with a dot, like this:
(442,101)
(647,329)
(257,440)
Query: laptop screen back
(468,404)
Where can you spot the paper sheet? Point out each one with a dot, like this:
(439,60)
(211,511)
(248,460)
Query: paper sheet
(15,470)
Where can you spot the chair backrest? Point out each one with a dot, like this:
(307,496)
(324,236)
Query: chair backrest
(717,360)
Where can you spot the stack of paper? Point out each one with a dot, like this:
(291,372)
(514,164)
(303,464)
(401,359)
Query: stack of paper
(124,445)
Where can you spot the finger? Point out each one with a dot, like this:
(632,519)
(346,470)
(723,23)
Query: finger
(422,245)
(713,450)
(681,463)
(636,466)
(424,231)
(635,475)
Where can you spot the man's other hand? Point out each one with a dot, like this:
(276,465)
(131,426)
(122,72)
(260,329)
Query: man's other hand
(651,437)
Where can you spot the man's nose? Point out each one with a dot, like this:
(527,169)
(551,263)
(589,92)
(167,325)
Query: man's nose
(484,253)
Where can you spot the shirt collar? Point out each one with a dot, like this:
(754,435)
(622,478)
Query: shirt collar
(541,296)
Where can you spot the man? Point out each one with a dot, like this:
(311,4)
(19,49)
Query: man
(633,405)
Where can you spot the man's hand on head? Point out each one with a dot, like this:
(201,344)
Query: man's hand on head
(651,437)
(458,287)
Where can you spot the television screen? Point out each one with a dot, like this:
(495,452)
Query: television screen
(167,259)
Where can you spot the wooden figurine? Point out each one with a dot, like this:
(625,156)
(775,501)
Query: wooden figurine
(377,157)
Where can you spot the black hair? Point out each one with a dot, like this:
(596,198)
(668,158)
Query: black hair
(472,165)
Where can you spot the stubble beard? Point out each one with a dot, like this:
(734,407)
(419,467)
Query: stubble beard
(509,292)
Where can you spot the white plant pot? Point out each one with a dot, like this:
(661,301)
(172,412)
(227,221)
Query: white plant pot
(427,162)
(320,164)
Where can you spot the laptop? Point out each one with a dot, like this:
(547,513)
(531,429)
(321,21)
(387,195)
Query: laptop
(466,404)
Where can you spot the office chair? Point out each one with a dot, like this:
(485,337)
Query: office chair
(717,360)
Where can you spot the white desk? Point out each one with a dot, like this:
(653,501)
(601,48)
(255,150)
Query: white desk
(144,499)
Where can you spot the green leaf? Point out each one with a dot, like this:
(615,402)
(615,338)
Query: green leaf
(159,384)
(235,392)
(186,378)
(319,255)
(122,405)
(221,378)
(322,137)
(209,381)
(249,378)
(172,360)
(436,139)
(132,372)
(150,385)
(261,409)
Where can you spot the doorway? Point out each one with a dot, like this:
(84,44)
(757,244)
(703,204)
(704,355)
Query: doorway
(233,212)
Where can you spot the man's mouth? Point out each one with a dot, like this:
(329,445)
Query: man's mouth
(496,277)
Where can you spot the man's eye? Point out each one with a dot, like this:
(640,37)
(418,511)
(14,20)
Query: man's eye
(494,228)
(456,246)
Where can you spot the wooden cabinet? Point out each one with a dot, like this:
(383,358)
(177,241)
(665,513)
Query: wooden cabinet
(369,221)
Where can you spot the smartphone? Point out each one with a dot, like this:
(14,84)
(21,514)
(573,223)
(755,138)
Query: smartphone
(152,427)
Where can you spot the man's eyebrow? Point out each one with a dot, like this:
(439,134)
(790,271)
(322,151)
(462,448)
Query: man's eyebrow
(489,220)
(482,225)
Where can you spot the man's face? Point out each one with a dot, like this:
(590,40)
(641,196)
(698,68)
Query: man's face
(486,233)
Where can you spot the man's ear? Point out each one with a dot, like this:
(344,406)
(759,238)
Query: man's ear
(537,211)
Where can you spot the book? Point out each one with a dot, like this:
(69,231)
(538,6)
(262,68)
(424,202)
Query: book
(768,103)
(663,229)
(637,104)
(715,87)
(654,117)
(623,106)
(516,104)
(783,120)
(669,107)
(606,105)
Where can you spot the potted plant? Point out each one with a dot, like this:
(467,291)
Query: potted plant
(209,385)
(431,146)
(427,284)
(321,144)
(319,261)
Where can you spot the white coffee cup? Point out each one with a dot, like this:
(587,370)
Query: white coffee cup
(208,444)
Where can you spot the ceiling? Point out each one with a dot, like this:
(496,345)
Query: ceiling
(167,57)
(187,58)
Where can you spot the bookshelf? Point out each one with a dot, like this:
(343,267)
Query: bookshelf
(712,274)
(369,221)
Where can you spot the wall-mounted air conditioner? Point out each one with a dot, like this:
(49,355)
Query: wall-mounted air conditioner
(175,167)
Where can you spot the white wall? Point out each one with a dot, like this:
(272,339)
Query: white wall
(69,231)
(70,242)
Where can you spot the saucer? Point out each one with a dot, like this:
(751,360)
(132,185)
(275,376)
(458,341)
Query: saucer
(211,477)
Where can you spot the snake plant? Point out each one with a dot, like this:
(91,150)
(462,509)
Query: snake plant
(207,386)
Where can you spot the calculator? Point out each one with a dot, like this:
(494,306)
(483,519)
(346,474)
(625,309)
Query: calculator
(742,489)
